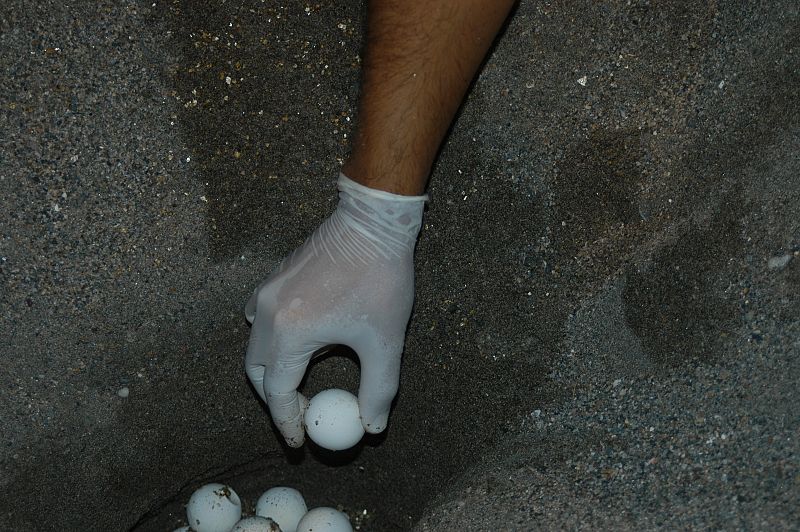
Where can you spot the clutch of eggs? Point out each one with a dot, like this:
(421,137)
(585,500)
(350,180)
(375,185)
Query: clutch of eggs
(217,508)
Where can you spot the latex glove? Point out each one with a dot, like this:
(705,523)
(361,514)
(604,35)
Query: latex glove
(351,283)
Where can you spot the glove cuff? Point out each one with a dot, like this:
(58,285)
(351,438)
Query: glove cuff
(347,184)
(389,221)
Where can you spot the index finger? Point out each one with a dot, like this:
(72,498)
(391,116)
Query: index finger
(276,373)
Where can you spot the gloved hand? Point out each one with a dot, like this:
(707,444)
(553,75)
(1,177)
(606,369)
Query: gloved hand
(351,283)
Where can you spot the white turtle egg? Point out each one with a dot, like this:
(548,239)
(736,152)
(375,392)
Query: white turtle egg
(183,529)
(256,524)
(213,508)
(333,421)
(324,519)
(283,505)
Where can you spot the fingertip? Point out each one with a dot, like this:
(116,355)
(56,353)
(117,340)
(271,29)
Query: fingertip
(377,424)
(293,434)
(288,413)
(295,443)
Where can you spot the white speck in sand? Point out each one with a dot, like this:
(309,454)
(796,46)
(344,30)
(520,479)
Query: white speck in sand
(582,81)
(123,392)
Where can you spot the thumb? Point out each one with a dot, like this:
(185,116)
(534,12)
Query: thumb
(380,379)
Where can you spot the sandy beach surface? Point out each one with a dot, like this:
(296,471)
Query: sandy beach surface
(606,332)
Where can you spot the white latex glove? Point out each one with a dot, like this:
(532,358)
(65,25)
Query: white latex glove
(351,283)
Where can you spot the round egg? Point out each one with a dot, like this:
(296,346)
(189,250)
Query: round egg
(256,524)
(324,519)
(283,505)
(213,508)
(333,421)
(183,529)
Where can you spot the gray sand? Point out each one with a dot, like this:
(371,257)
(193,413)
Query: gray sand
(607,324)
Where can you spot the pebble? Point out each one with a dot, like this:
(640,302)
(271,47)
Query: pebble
(779,263)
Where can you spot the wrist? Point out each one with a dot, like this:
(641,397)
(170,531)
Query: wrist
(399,179)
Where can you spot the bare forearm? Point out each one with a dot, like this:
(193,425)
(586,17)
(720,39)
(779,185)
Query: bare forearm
(420,59)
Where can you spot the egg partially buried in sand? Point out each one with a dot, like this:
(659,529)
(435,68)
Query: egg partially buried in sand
(333,421)
(283,505)
(256,524)
(213,508)
(324,519)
